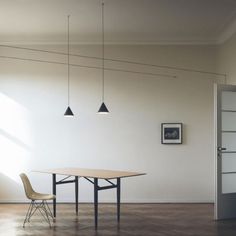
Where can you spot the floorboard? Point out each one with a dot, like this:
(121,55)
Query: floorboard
(136,220)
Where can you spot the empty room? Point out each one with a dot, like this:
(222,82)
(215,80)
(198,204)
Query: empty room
(118,117)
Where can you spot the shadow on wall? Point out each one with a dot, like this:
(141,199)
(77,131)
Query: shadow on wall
(15,140)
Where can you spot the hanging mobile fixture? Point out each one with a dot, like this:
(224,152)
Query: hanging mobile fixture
(68,110)
(103,109)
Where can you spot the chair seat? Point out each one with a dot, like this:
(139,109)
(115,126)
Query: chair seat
(41,196)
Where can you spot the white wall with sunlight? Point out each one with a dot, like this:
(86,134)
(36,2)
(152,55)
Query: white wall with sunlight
(35,135)
(15,139)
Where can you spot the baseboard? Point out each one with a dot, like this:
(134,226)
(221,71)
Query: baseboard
(128,201)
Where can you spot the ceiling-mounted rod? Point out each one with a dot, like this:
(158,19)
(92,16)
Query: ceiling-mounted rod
(119,60)
(90,67)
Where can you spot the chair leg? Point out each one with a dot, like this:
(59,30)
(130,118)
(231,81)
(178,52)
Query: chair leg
(46,213)
(49,210)
(42,207)
(27,217)
(32,211)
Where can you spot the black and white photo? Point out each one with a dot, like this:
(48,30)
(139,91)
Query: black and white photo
(171,133)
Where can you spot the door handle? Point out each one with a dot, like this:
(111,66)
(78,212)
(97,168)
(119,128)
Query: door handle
(220,149)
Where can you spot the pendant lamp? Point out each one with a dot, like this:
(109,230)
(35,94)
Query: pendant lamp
(68,111)
(103,109)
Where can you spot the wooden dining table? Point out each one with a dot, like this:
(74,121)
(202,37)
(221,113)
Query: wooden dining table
(111,177)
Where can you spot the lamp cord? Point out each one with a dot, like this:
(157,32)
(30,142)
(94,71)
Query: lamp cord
(68,58)
(102,51)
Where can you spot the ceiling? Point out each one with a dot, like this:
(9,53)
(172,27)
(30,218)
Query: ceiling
(126,21)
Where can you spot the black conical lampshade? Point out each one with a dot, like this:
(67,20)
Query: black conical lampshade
(103,109)
(68,112)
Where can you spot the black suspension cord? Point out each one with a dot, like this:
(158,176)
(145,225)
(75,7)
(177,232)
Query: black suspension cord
(102,51)
(68,58)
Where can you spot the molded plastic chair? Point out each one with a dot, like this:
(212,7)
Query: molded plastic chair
(38,201)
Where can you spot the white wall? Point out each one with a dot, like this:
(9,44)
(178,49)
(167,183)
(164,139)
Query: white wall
(227,59)
(35,135)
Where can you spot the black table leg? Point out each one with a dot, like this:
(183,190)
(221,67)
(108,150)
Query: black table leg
(96,201)
(76,194)
(54,192)
(118,199)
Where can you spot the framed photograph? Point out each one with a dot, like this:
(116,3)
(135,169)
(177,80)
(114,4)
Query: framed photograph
(171,133)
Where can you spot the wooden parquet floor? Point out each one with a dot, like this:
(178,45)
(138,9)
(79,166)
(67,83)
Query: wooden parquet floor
(136,220)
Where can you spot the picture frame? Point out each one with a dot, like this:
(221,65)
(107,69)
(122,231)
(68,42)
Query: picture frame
(171,133)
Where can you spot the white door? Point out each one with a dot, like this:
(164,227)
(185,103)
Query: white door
(225,151)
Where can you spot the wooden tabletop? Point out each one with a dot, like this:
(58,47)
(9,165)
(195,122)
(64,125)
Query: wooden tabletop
(91,173)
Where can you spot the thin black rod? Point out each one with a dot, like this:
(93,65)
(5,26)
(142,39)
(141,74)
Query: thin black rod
(107,187)
(102,51)
(90,67)
(65,182)
(68,58)
(89,180)
(118,199)
(54,191)
(67,177)
(76,194)
(118,60)
(109,181)
(96,202)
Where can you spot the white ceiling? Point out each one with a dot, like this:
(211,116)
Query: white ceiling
(126,21)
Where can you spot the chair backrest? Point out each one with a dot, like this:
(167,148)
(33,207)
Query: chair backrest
(27,185)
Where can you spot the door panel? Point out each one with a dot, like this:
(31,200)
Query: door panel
(228,141)
(225,154)
(228,99)
(228,183)
(228,121)
(228,162)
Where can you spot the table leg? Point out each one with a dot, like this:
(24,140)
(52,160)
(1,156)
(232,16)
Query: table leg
(96,202)
(76,194)
(54,192)
(118,199)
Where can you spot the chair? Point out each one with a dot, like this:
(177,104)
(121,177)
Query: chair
(38,201)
